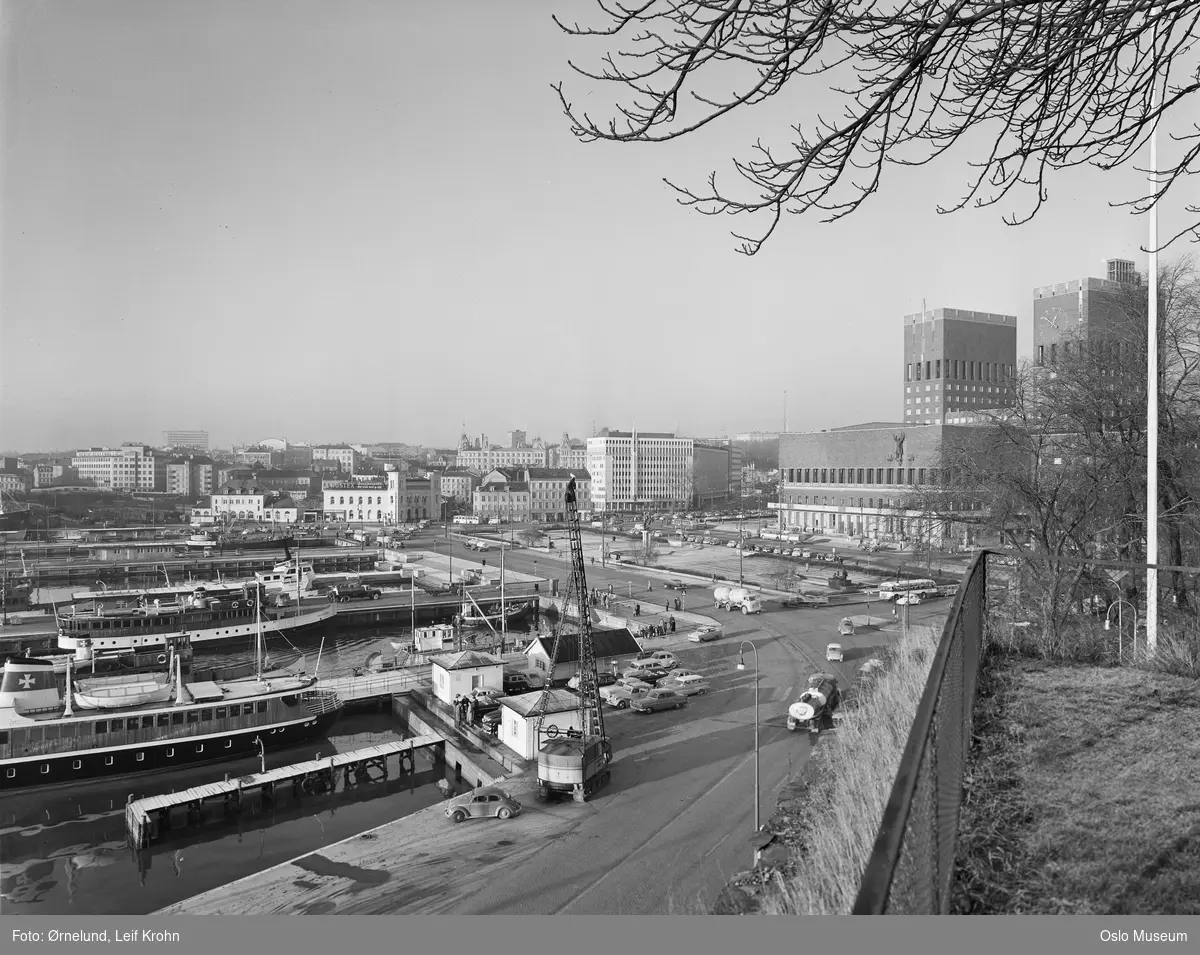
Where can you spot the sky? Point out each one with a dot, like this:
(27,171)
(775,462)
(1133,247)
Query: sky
(369,221)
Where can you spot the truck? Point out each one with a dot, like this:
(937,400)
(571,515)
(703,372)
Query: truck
(344,593)
(736,598)
(816,705)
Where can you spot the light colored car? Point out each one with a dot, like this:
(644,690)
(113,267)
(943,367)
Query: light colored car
(731,544)
(603,679)
(659,699)
(704,634)
(676,674)
(908,600)
(834,652)
(664,658)
(487,801)
(691,684)
(622,696)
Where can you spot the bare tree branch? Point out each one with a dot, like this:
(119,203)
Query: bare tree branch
(1052,84)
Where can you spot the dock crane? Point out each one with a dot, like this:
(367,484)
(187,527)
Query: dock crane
(575,763)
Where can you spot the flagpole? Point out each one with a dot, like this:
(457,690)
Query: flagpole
(1152,391)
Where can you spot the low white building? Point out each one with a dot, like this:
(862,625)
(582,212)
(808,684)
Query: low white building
(243,502)
(282,511)
(457,674)
(615,650)
(519,718)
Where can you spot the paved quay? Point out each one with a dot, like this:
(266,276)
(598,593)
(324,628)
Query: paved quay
(421,863)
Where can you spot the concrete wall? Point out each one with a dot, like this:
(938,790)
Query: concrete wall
(454,755)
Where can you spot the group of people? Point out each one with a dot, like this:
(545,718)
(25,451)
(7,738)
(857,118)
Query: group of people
(464,709)
(657,629)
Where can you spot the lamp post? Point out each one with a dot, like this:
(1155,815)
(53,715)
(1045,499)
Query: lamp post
(1120,625)
(741,666)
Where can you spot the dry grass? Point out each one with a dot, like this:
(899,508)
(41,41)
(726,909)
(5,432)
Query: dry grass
(854,771)
(1082,792)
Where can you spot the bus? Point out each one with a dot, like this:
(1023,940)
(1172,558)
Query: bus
(899,588)
(465,519)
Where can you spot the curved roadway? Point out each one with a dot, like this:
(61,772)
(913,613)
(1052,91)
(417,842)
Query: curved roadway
(675,823)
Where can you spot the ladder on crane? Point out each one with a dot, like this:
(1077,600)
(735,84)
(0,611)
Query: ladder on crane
(591,715)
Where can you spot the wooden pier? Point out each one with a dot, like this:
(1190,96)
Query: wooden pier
(148,819)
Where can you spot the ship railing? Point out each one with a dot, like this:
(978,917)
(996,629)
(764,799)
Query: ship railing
(319,702)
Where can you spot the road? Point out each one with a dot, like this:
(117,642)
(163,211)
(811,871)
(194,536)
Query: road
(675,822)
(664,836)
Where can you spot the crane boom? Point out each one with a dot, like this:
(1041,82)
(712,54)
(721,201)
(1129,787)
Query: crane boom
(590,712)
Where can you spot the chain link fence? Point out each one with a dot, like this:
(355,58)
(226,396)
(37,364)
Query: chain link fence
(912,864)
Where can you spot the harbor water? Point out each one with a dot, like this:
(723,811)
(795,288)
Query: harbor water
(63,849)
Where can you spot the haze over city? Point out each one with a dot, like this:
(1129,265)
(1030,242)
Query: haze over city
(371,221)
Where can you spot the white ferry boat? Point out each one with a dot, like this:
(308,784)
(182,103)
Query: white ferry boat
(202,619)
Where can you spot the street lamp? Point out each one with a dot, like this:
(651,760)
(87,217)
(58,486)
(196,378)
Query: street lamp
(741,666)
(1120,625)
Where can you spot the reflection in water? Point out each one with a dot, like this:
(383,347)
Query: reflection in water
(63,850)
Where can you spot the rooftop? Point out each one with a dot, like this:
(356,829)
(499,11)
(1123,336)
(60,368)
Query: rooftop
(557,701)
(467,660)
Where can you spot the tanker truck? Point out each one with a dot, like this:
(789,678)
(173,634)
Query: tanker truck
(816,704)
(736,598)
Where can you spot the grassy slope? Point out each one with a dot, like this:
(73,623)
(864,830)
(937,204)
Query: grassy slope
(1083,794)
(830,827)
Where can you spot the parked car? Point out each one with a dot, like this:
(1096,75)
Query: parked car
(675,674)
(344,593)
(603,678)
(487,801)
(521,683)
(663,658)
(704,634)
(688,684)
(676,584)
(659,699)
(622,696)
(834,652)
(648,674)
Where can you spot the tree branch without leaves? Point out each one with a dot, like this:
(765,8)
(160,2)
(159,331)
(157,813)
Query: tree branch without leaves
(1050,83)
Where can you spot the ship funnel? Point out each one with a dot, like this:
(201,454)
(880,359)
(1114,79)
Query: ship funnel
(28,685)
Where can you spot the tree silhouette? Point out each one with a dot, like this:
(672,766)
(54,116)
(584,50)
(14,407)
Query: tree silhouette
(1034,86)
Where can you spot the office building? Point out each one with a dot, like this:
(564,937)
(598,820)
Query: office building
(636,471)
(186,439)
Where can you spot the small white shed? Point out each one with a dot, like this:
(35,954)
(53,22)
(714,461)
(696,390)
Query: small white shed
(519,718)
(460,673)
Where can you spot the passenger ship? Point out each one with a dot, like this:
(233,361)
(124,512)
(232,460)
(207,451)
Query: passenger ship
(201,618)
(101,729)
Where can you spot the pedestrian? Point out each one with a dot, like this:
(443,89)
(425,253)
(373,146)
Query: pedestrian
(672,624)
(593,561)
(471,712)
(637,610)
(677,604)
